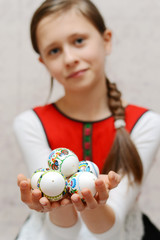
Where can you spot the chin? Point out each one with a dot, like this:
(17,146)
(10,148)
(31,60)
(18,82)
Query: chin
(82,87)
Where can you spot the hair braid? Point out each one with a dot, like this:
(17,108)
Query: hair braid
(123,155)
(114,98)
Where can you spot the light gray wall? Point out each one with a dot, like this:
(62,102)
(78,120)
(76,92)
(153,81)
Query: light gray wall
(134,64)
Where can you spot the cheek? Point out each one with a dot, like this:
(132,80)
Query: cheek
(95,54)
(97,60)
(54,69)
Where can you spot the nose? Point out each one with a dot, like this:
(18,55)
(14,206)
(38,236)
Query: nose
(70,57)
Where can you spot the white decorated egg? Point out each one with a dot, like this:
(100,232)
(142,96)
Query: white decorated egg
(80,180)
(63,160)
(35,176)
(88,166)
(53,185)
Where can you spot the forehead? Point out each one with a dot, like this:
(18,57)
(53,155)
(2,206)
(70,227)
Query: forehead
(63,24)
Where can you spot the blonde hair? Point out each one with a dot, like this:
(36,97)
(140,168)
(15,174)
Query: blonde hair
(123,155)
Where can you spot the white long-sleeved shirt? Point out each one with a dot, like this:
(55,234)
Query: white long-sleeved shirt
(128,225)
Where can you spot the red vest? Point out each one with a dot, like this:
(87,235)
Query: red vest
(88,140)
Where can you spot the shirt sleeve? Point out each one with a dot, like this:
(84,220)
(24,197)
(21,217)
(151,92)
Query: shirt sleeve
(146,137)
(32,140)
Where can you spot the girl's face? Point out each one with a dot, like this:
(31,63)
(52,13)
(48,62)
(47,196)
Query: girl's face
(72,49)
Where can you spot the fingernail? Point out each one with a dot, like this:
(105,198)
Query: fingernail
(44,204)
(75,200)
(24,184)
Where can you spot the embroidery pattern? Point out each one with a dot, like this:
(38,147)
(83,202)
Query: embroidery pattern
(87,141)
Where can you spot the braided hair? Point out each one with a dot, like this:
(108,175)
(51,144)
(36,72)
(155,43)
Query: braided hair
(123,155)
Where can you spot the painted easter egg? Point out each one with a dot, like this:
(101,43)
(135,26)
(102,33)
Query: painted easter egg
(88,166)
(35,176)
(81,180)
(63,160)
(53,185)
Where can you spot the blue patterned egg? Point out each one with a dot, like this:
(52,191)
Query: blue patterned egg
(88,166)
(80,180)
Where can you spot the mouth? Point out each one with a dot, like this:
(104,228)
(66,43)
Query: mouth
(77,73)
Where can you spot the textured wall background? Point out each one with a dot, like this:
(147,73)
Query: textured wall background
(134,64)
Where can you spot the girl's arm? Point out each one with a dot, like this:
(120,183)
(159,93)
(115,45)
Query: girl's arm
(62,213)
(110,219)
(98,216)
(35,150)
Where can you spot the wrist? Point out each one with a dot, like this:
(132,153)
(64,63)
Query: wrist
(100,219)
(64,216)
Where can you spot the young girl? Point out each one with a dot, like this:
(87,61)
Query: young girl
(93,121)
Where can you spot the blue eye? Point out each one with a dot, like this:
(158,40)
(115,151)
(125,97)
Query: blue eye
(54,51)
(79,40)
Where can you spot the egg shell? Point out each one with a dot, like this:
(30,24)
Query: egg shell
(80,180)
(63,160)
(35,176)
(53,185)
(88,166)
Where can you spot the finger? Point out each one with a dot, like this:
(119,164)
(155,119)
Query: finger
(45,204)
(20,178)
(35,204)
(114,179)
(55,204)
(65,201)
(89,199)
(36,196)
(102,191)
(105,178)
(76,200)
(25,191)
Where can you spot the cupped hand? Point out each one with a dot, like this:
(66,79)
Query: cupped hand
(34,199)
(103,185)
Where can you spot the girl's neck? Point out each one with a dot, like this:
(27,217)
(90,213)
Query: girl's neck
(89,105)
